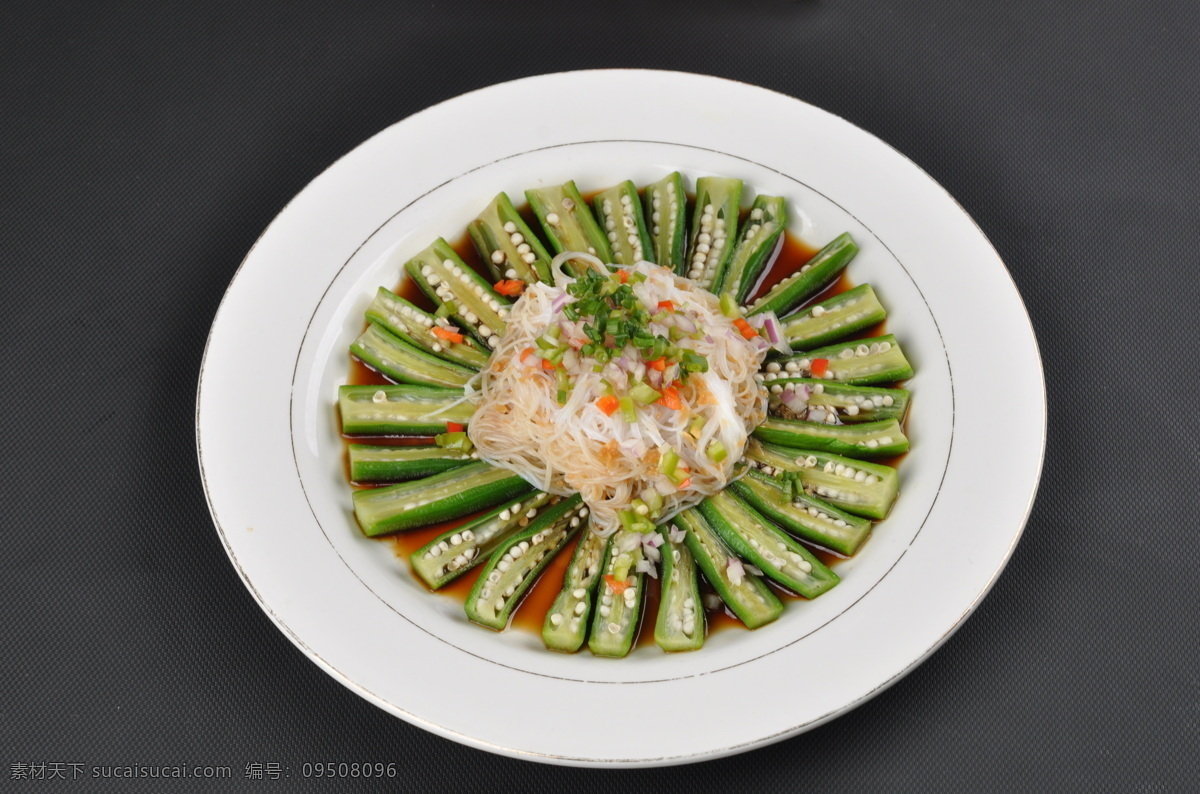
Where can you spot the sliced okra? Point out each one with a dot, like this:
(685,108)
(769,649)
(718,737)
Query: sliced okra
(804,516)
(451,494)
(828,400)
(615,622)
(856,486)
(714,229)
(619,213)
(396,464)
(756,246)
(744,593)
(680,623)
(401,409)
(567,221)
(462,294)
(811,278)
(566,623)
(516,564)
(876,359)
(458,550)
(756,539)
(665,203)
(415,326)
(508,247)
(404,362)
(833,319)
(867,440)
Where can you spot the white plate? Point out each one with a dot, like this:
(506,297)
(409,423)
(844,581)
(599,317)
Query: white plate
(271,458)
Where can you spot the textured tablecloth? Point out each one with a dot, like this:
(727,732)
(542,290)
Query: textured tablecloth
(144,147)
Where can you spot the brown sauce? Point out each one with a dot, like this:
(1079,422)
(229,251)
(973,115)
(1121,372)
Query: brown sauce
(530,613)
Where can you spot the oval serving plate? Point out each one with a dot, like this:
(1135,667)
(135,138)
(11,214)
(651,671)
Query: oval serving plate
(278,350)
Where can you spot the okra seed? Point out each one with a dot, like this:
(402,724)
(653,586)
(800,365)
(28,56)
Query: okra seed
(379,396)
(552,218)
(605,611)
(510,273)
(613,628)
(493,341)
(455,539)
(872,443)
(505,515)
(555,619)
(503,565)
(818,311)
(580,608)
(510,227)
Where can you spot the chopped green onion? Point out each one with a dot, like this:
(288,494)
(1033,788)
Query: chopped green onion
(717,451)
(668,463)
(457,440)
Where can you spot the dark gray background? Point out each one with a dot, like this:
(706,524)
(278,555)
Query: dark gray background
(144,147)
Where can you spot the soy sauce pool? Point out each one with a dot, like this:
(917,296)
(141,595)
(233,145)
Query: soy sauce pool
(793,254)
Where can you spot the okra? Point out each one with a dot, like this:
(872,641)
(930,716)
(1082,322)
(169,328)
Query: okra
(396,464)
(714,229)
(619,213)
(757,246)
(665,204)
(744,593)
(680,624)
(458,550)
(804,516)
(516,564)
(460,292)
(615,622)
(876,359)
(756,539)
(415,326)
(814,276)
(401,361)
(849,404)
(401,410)
(451,494)
(508,247)
(857,486)
(566,623)
(567,221)
(867,440)
(833,319)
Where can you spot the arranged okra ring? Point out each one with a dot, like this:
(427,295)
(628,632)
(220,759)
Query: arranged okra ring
(760,239)
(833,319)
(615,622)
(831,400)
(755,538)
(666,211)
(515,565)
(372,464)
(619,213)
(451,494)
(876,359)
(567,221)
(400,410)
(458,550)
(385,352)
(714,229)
(680,624)
(804,516)
(566,624)
(508,247)
(460,293)
(867,440)
(744,593)
(857,486)
(415,326)
(813,277)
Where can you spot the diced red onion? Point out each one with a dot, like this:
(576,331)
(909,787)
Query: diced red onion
(653,540)
(754,569)
(735,570)
(645,566)
(559,302)
(676,534)
(685,324)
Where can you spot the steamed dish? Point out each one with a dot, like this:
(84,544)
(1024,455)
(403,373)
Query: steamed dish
(645,386)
